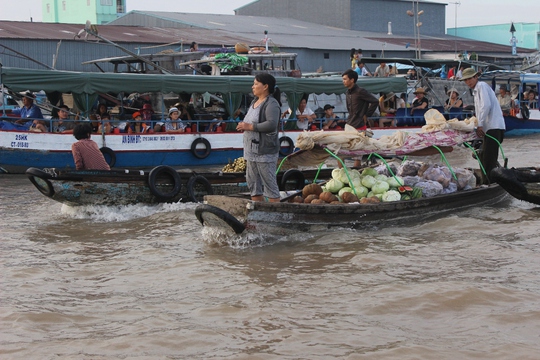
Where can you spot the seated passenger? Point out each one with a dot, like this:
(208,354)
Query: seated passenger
(137,126)
(382,70)
(105,124)
(173,124)
(59,126)
(28,112)
(532,101)
(420,102)
(331,121)
(86,153)
(453,101)
(304,115)
(388,108)
(101,110)
(38,126)
(147,113)
(505,100)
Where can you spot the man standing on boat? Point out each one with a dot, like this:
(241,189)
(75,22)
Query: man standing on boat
(360,103)
(490,120)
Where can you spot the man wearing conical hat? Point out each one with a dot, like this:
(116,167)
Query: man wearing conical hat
(490,118)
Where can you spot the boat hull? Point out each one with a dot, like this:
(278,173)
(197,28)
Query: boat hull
(521,183)
(286,218)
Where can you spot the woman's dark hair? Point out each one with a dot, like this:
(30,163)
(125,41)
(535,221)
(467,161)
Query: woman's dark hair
(82,131)
(267,79)
(277,95)
(353,51)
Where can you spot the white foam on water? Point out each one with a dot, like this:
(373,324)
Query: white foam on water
(103,213)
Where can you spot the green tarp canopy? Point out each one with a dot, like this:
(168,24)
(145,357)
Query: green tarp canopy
(85,86)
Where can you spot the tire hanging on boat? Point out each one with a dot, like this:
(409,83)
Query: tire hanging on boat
(108,152)
(294,177)
(164,177)
(197,152)
(209,215)
(290,146)
(39,177)
(197,187)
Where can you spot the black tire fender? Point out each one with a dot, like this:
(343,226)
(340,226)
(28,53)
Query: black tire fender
(155,178)
(108,152)
(294,176)
(194,183)
(196,152)
(40,180)
(224,218)
(525,113)
(290,146)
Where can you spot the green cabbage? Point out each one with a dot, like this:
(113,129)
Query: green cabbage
(391,195)
(380,187)
(369,171)
(381,177)
(361,191)
(395,183)
(368,181)
(333,186)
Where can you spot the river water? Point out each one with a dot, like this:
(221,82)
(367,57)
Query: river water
(144,282)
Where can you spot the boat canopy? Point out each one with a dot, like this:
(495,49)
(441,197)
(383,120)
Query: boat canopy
(431,63)
(85,87)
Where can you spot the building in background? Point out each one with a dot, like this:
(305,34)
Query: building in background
(359,15)
(79,11)
(527,34)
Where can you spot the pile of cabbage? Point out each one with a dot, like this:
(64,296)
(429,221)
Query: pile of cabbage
(412,180)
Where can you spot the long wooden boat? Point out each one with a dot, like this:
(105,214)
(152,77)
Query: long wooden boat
(161,184)
(20,150)
(236,214)
(521,183)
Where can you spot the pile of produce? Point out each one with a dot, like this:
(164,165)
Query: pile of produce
(414,180)
(238,165)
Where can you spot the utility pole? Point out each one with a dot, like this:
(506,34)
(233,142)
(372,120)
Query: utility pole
(457,3)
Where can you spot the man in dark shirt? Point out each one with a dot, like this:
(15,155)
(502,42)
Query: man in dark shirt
(360,103)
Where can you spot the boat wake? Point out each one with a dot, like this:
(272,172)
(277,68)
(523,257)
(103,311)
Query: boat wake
(104,213)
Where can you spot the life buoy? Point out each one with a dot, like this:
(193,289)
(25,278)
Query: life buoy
(292,179)
(164,182)
(109,155)
(197,187)
(39,179)
(525,113)
(289,147)
(212,216)
(197,152)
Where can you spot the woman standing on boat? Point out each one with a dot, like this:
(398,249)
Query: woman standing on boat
(261,144)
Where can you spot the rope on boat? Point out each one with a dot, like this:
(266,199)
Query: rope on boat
(344,167)
(446,161)
(387,167)
(500,148)
(477,157)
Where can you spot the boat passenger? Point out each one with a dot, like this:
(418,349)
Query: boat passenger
(490,121)
(304,114)
(360,104)
(361,69)
(137,126)
(147,113)
(86,153)
(58,125)
(382,70)
(532,101)
(261,145)
(388,108)
(505,100)
(330,120)
(101,110)
(421,101)
(28,112)
(453,101)
(173,124)
(105,124)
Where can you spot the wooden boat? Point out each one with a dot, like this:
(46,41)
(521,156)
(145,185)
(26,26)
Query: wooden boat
(236,214)
(161,184)
(20,149)
(521,183)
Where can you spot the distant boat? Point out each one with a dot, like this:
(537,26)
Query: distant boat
(20,150)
